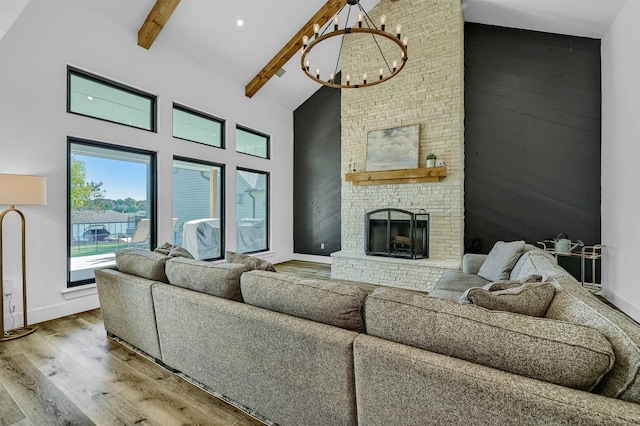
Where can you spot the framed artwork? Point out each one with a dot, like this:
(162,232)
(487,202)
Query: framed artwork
(393,149)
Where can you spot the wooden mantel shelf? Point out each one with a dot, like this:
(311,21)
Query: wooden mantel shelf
(387,177)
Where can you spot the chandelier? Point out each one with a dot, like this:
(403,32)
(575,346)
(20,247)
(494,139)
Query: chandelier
(385,68)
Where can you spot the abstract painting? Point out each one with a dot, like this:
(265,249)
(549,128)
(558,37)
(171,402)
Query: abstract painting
(393,149)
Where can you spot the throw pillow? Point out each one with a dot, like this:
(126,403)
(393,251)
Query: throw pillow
(501,259)
(172,250)
(253,262)
(529,297)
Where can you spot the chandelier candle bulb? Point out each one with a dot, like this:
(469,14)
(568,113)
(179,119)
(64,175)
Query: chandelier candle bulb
(360,16)
(383,21)
(305,42)
(398,30)
(318,73)
(330,78)
(335,23)
(348,79)
(380,73)
(316,30)
(364,77)
(395,65)
(306,65)
(405,41)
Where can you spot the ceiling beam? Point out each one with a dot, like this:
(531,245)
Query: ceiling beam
(293,46)
(159,15)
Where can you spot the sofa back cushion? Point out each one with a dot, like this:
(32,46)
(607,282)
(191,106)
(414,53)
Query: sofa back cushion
(142,263)
(577,305)
(567,354)
(328,302)
(216,279)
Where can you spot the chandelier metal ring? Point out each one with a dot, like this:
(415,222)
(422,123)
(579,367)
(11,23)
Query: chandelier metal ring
(343,32)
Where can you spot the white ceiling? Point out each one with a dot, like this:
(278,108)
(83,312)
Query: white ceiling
(206,30)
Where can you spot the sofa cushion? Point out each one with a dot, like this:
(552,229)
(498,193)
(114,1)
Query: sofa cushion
(501,259)
(530,296)
(567,354)
(577,305)
(143,263)
(216,279)
(328,302)
(253,262)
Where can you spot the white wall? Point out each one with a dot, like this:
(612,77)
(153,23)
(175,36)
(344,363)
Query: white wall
(620,159)
(34,126)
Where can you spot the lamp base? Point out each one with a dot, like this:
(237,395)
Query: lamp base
(17,333)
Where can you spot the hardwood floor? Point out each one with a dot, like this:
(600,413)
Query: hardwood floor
(69,373)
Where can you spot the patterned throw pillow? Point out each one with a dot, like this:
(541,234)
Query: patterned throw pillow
(254,262)
(531,296)
(501,259)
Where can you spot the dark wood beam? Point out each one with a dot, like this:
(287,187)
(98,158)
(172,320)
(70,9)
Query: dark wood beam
(158,17)
(293,46)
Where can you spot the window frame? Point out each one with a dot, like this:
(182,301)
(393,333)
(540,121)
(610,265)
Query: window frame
(151,204)
(115,85)
(257,133)
(267,208)
(200,114)
(222,196)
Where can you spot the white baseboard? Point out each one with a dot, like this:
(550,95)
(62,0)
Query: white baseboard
(312,258)
(622,303)
(70,307)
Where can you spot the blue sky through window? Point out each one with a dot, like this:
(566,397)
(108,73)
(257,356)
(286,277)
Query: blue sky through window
(121,179)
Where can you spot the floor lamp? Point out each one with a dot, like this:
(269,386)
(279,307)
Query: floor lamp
(21,190)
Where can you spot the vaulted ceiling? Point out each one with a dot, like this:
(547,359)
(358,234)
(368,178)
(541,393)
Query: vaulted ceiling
(207,32)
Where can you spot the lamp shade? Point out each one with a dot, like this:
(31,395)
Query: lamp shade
(22,189)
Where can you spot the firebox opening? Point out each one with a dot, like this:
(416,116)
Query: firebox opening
(397,233)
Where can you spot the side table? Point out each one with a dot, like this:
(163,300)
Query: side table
(593,253)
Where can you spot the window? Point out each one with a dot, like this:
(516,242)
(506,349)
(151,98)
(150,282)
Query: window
(111,199)
(196,126)
(252,215)
(252,142)
(100,98)
(197,207)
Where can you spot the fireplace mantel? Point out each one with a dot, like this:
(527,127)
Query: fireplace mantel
(387,177)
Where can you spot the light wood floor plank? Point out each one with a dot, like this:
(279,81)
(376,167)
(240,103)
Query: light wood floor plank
(38,398)
(10,413)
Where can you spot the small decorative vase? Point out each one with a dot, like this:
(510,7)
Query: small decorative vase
(431,162)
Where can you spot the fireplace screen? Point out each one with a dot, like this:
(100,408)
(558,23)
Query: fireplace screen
(397,233)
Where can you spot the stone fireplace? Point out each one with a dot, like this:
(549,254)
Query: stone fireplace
(428,92)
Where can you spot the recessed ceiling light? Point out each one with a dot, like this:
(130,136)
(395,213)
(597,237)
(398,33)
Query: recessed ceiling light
(240,22)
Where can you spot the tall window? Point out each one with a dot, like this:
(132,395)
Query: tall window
(252,211)
(100,98)
(197,126)
(111,205)
(197,207)
(252,142)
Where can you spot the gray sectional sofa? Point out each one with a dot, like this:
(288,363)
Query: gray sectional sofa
(294,351)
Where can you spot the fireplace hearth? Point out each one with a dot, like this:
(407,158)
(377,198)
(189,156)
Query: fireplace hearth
(397,233)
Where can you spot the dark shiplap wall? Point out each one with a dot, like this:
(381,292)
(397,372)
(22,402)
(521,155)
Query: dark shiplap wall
(532,136)
(317,180)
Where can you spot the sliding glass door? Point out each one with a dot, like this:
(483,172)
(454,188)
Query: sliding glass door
(111,205)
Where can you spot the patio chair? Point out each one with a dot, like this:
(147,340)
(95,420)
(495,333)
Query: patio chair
(140,237)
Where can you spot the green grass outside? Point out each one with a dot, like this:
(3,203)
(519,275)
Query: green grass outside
(99,247)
